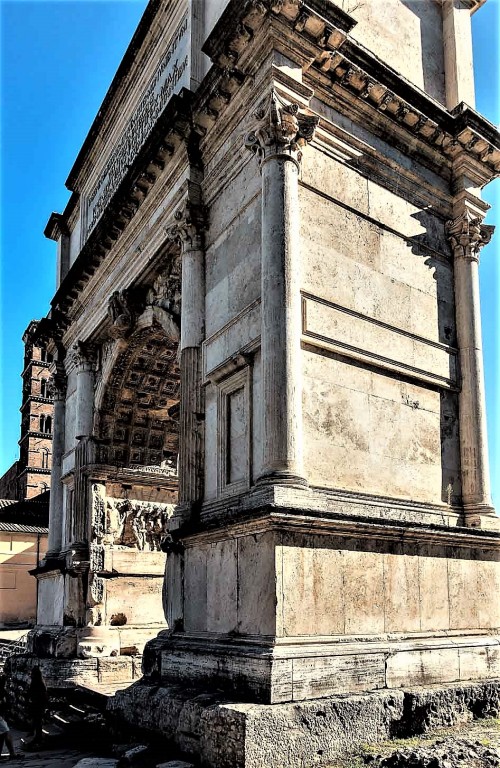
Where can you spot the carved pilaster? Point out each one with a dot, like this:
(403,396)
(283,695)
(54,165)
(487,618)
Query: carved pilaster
(467,235)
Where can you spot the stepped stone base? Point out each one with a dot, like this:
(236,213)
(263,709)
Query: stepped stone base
(224,734)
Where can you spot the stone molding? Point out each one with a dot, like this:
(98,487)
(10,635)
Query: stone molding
(467,235)
(335,57)
(318,522)
(284,130)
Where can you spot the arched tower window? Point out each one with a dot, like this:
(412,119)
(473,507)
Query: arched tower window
(46,424)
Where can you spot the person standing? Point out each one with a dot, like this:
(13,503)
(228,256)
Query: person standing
(37,702)
(5,734)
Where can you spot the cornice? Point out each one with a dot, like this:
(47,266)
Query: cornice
(318,523)
(125,64)
(172,128)
(36,399)
(346,68)
(56,227)
(349,67)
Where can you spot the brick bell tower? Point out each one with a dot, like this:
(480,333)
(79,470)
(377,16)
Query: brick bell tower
(37,410)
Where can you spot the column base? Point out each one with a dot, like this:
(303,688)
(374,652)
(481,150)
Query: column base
(282,477)
(481,516)
(223,733)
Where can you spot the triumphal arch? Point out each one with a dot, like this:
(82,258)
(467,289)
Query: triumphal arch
(268,372)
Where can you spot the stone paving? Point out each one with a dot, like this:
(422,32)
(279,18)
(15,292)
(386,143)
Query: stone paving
(49,758)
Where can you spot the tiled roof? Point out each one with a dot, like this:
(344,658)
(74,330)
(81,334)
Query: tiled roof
(30,515)
(20,528)
(6,502)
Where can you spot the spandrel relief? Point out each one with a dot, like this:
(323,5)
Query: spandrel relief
(137,524)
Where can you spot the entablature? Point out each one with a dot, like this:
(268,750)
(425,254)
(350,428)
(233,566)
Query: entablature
(334,63)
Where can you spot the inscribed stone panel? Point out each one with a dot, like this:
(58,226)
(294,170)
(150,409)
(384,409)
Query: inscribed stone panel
(167,75)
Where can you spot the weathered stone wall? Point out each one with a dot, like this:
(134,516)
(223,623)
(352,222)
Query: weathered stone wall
(379,331)
(227,735)
(259,584)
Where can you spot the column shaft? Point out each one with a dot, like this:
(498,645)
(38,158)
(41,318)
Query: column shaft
(187,232)
(85,401)
(473,435)
(281,319)
(55,539)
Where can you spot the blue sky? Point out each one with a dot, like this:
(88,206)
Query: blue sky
(57,61)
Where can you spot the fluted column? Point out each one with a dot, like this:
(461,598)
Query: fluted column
(188,233)
(278,143)
(55,539)
(467,236)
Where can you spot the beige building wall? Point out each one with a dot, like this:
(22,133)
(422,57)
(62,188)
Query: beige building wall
(19,553)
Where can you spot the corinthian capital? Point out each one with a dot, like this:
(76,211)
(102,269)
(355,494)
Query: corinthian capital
(284,129)
(188,227)
(82,356)
(467,235)
(57,381)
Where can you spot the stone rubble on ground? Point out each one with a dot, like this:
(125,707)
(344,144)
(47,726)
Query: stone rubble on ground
(445,753)
(133,756)
(175,764)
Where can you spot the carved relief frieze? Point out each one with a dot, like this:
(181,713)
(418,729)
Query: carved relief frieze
(98,511)
(121,314)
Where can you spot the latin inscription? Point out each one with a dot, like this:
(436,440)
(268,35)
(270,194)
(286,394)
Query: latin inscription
(169,76)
